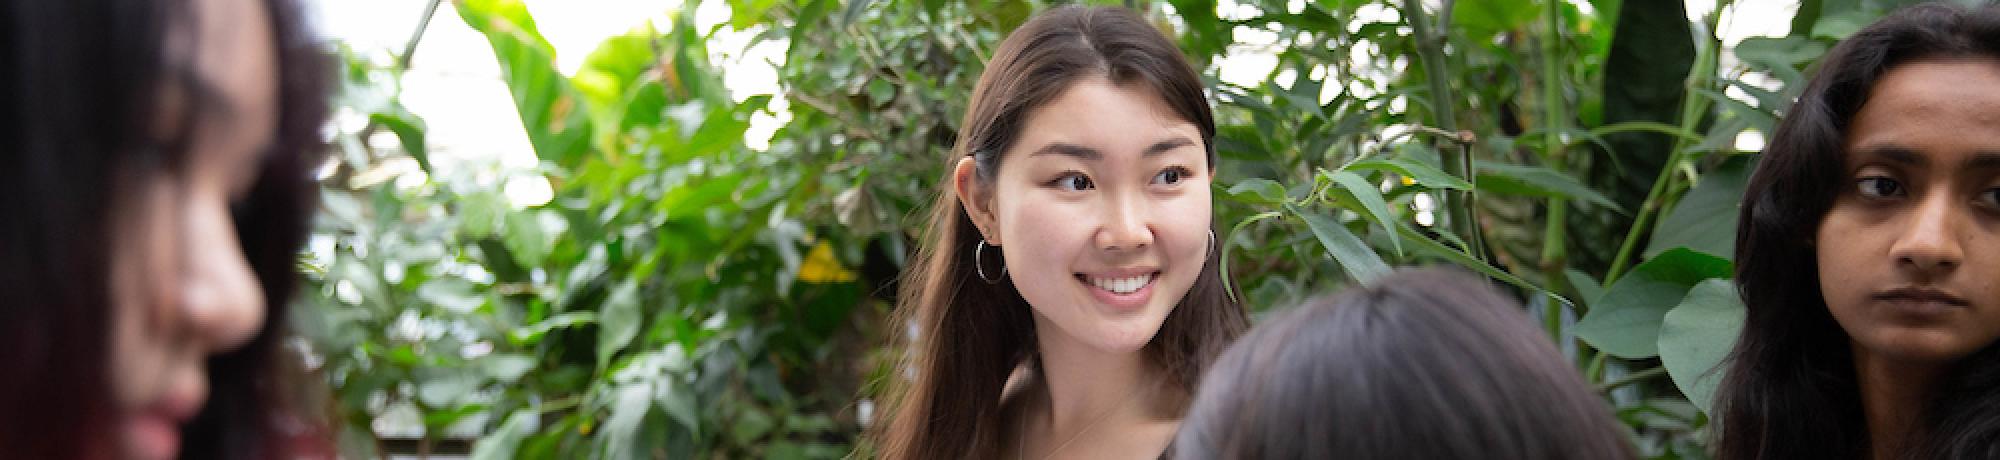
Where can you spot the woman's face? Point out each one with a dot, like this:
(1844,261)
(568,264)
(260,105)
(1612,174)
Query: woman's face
(1908,254)
(1102,212)
(181,287)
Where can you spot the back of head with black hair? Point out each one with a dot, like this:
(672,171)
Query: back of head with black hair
(1423,364)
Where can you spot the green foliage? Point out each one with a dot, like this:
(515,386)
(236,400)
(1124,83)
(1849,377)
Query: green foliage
(685,296)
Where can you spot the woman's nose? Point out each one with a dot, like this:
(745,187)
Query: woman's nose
(221,300)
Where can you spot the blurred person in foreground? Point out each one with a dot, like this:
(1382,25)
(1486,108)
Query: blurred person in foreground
(154,159)
(1425,364)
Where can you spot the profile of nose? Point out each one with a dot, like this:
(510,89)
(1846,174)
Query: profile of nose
(1929,242)
(219,299)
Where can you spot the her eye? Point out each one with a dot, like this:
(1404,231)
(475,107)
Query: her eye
(1990,197)
(1170,176)
(1878,187)
(1073,181)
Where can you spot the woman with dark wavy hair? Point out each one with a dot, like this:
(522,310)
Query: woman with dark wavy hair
(1869,254)
(154,159)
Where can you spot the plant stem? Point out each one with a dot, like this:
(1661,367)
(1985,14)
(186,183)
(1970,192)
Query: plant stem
(1554,238)
(1458,161)
(1632,378)
(1693,107)
(410,48)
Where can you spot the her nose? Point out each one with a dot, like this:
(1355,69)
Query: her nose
(1127,225)
(1929,243)
(221,302)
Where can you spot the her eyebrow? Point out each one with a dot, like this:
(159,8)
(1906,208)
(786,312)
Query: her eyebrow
(1983,159)
(1091,154)
(1896,154)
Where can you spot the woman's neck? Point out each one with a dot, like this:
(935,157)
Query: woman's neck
(1894,394)
(1086,385)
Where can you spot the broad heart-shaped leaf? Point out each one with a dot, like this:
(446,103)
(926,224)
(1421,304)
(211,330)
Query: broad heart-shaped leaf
(1422,173)
(552,112)
(1359,260)
(1522,180)
(1626,321)
(1705,219)
(619,321)
(1697,335)
(1351,188)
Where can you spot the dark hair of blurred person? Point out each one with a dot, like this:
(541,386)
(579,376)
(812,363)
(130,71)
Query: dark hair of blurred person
(1422,364)
(1867,254)
(154,159)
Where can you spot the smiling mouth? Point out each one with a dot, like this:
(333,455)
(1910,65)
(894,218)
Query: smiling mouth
(1119,285)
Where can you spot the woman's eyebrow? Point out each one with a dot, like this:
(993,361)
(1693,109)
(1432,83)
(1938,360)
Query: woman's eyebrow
(1166,145)
(1895,154)
(1091,154)
(1983,160)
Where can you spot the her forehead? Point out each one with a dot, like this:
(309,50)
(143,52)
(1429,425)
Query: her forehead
(1096,110)
(227,60)
(1934,106)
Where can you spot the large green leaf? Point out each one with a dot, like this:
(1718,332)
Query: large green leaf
(1416,171)
(1360,261)
(503,443)
(1625,322)
(1697,335)
(1258,191)
(1366,200)
(410,130)
(1481,19)
(1705,218)
(620,321)
(1525,180)
(552,112)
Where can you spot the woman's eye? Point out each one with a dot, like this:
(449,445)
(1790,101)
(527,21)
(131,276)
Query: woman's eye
(1074,182)
(1990,197)
(1878,187)
(1170,176)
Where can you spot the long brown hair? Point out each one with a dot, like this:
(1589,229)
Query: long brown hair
(1791,390)
(970,334)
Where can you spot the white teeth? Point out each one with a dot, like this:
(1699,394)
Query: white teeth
(1122,285)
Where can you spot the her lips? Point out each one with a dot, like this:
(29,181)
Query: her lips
(1920,294)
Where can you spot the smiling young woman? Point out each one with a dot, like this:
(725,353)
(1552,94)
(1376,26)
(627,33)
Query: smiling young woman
(155,159)
(1884,178)
(1066,295)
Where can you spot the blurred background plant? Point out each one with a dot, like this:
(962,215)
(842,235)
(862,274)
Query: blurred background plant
(678,284)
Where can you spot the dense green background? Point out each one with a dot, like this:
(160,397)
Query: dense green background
(685,296)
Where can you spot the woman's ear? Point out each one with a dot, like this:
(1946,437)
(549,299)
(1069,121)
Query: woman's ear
(974,197)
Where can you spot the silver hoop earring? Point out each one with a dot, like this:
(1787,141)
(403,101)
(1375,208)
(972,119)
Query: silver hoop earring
(1211,242)
(978,252)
